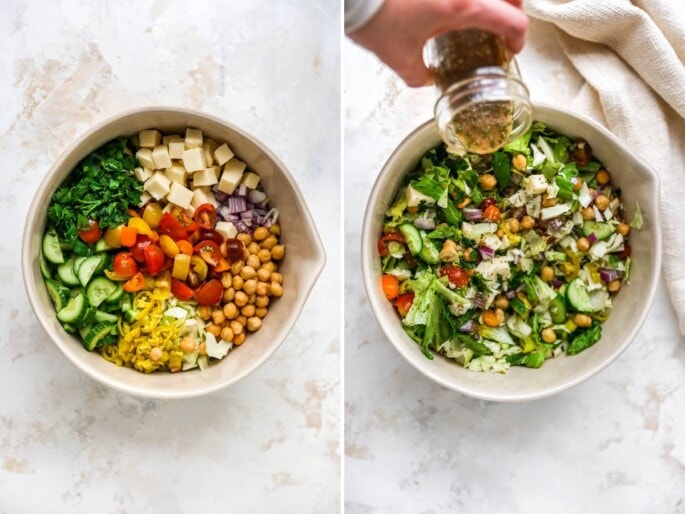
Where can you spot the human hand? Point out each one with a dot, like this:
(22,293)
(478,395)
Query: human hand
(399,30)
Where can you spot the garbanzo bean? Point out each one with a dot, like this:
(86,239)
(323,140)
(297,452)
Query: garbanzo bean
(602,202)
(514,225)
(264,255)
(260,233)
(587,214)
(275,229)
(254,324)
(578,184)
(623,229)
(501,302)
(226,279)
(548,335)
(227,334)
(236,327)
(527,223)
(204,311)
(218,317)
(547,273)
(202,349)
(583,244)
(490,318)
(263,275)
(582,320)
(238,282)
(253,248)
(240,298)
(228,295)
(248,310)
(253,260)
(262,301)
(230,310)
(278,252)
(603,177)
(188,344)
(275,289)
(487,181)
(269,242)
(241,319)
(245,238)
(270,266)
(213,329)
(614,286)
(262,289)
(248,272)
(251,298)
(237,266)
(519,161)
(250,286)
(239,339)
(277,277)
(261,312)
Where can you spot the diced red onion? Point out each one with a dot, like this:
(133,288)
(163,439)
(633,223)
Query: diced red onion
(556,283)
(246,215)
(513,292)
(469,326)
(236,204)
(221,197)
(242,190)
(480,301)
(592,238)
(608,275)
(473,214)
(224,212)
(555,224)
(486,252)
(255,196)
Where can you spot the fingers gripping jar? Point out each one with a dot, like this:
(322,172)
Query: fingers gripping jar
(483,102)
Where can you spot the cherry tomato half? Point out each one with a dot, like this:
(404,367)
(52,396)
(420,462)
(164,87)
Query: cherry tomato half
(404,303)
(455,274)
(138,249)
(205,215)
(136,283)
(188,223)
(386,238)
(154,259)
(492,213)
(487,202)
(180,290)
(211,235)
(125,265)
(91,233)
(235,249)
(391,286)
(210,293)
(209,251)
(171,227)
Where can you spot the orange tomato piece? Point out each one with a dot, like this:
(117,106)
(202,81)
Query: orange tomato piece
(492,213)
(128,236)
(391,286)
(135,284)
(185,247)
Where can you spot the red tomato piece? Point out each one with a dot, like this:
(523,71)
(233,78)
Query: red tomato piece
(492,213)
(138,249)
(188,223)
(391,286)
(455,274)
(180,290)
(211,235)
(205,215)
(209,251)
(210,293)
(171,227)
(92,233)
(404,303)
(154,259)
(125,265)
(487,202)
(386,238)
(235,249)
(136,283)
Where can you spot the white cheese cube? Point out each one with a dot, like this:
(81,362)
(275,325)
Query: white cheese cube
(142,174)
(226,229)
(177,173)
(217,171)
(536,184)
(157,185)
(171,138)
(144,158)
(180,195)
(209,146)
(194,160)
(203,195)
(176,149)
(206,177)
(144,198)
(160,155)
(229,181)
(193,138)
(149,138)
(250,180)
(223,154)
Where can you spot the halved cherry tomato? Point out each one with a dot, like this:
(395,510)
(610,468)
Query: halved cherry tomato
(492,213)
(154,259)
(91,233)
(205,215)
(125,265)
(235,250)
(386,238)
(171,227)
(128,236)
(209,251)
(185,247)
(138,249)
(114,276)
(135,284)
(391,286)
(210,293)
(404,303)
(458,276)
(180,290)
(188,223)
(222,266)
(211,235)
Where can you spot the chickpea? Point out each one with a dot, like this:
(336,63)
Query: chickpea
(602,202)
(263,275)
(464,203)
(264,255)
(237,266)
(227,334)
(261,312)
(226,279)
(527,223)
(238,282)
(253,260)
(588,214)
(582,320)
(519,161)
(501,302)
(242,320)
(487,181)
(156,353)
(254,324)
(236,327)
(275,229)
(228,295)
(614,286)
(549,202)
(548,335)
(577,184)
(270,266)
(262,301)
(239,339)
(583,244)
(250,286)
(514,225)
(623,229)
(603,177)
(449,252)
(230,310)
(218,317)
(248,272)
(276,289)
(277,277)
(269,242)
(469,255)
(547,273)
(499,314)
(278,252)
(213,329)
(260,233)
(245,238)
(490,318)
(253,248)
(248,311)
(240,298)
(262,289)
(202,349)
(188,344)
(204,311)
(500,233)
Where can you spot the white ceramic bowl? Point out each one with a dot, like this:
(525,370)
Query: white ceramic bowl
(631,306)
(304,260)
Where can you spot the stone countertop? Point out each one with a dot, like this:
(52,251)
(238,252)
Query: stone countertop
(612,444)
(267,444)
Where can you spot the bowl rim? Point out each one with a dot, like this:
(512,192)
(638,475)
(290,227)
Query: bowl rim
(370,285)
(318,261)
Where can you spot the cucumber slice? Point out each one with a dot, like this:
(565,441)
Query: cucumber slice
(77,263)
(102,246)
(117,295)
(96,334)
(66,274)
(69,328)
(131,315)
(83,331)
(51,247)
(105,316)
(88,317)
(577,295)
(58,293)
(89,267)
(44,266)
(557,310)
(75,310)
(600,230)
(412,236)
(429,252)
(75,291)
(99,289)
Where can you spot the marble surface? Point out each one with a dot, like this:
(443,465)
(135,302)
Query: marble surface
(613,444)
(267,444)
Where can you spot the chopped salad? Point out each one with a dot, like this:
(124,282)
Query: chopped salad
(509,258)
(162,252)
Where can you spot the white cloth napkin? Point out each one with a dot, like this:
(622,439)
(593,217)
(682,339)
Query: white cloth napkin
(631,56)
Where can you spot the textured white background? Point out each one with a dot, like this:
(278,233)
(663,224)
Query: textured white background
(614,444)
(267,444)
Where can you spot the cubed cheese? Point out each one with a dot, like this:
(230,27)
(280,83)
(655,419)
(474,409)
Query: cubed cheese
(144,198)
(142,174)
(160,156)
(203,195)
(193,138)
(180,195)
(170,138)
(149,138)
(209,146)
(250,180)
(217,171)
(223,154)
(206,177)
(233,173)
(226,229)
(177,173)
(176,149)
(157,185)
(194,160)
(144,158)
(536,184)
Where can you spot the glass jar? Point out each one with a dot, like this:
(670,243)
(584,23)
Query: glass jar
(483,103)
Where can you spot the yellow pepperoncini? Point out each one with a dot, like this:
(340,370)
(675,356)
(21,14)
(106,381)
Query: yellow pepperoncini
(571,266)
(514,239)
